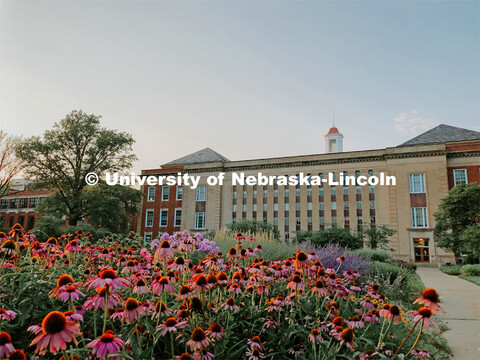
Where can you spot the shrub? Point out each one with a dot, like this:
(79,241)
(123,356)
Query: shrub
(472,270)
(333,235)
(452,269)
(253,227)
(373,255)
(389,270)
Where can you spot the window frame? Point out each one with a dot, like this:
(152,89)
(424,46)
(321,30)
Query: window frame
(176,216)
(149,198)
(455,177)
(411,183)
(414,217)
(161,217)
(200,215)
(165,198)
(179,191)
(148,211)
(201,190)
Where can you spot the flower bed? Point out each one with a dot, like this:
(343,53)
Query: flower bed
(69,297)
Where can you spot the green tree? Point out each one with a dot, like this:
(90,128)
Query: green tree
(333,235)
(457,212)
(376,236)
(254,226)
(60,160)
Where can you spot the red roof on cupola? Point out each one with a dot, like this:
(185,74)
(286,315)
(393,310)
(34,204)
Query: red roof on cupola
(333,130)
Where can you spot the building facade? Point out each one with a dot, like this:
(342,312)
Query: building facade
(425,168)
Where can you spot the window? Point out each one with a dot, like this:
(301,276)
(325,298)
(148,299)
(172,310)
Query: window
(149,218)
(179,195)
(275,193)
(151,193)
(322,220)
(165,192)
(419,217)
(359,205)
(287,221)
(287,206)
(275,207)
(358,189)
(372,204)
(147,237)
(287,193)
(178,217)
(254,194)
(345,190)
(347,222)
(309,191)
(21,220)
(33,202)
(334,190)
(13,203)
(199,220)
(275,221)
(417,183)
(334,205)
(234,208)
(320,191)
(345,205)
(297,192)
(265,193)
(244,207)
(201,193)
(234,194)
(254,208)
(265,208)
(371,189)
(309,220)
(334,221)
(31,222)
(297,206)
(321,205)
(460,176)
(244,194)
(23,203)
(309,206)
(4,204)
(163,217)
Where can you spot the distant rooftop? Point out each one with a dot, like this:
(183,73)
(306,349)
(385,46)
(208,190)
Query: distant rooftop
(206,155)
(442,134)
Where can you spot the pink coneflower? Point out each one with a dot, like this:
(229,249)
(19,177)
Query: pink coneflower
(215,332)
(130,267)
(198,339)
(108,277)
(17,355)
(296,283)
(6,346)
(98,301)
(355,322)
(7,314)
(200,283)
(367,303)
(72,246)
(73,316)
(420,354)
(258,248)
(232,254)
(235,288)
(133,310)
(430,299)
(203,354)
(118,314)
(319,288)
(256,342)
(347,336)
(35,328)
(394,314)
(57,331)
(254,354)
(301,261)
(146,255)
(140,287)
(239,236)
(9,248)
(184,293)
(160,309)
(69,292)
(164,251)
(296,350)
(368,354)
(222,278)
(424,313)
(230,305)
(178,265)
(171,325)
(315,336)
(161,283)
(107,344)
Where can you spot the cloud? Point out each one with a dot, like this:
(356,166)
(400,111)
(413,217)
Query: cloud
(413,122)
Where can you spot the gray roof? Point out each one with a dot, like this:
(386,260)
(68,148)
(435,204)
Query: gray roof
(206,155)
(442,134)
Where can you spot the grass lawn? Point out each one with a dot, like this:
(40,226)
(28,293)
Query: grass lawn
(473,279)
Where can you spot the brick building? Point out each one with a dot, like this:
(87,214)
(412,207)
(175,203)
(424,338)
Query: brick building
(425,168)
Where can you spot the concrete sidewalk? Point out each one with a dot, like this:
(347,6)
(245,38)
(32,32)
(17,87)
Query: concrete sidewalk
(461,301)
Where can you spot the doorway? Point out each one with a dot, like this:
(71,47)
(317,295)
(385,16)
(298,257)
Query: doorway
(421,250)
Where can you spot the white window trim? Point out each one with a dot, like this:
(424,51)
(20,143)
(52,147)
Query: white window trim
(410,183)
(176,194)
(168,192)
(455,177)
(413,216)
(198,193)
(197,217)
(146,217)
(160,218)
(175,218)
(148,194)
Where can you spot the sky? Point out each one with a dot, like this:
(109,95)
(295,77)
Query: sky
(249,79)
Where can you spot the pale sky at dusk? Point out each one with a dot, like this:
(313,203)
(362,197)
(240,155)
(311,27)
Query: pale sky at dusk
(247,79)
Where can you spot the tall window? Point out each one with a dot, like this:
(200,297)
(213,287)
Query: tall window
(199,220)
(149,218)
(287,193)
(179,195)
(265,193)
(286,206)
(234,208)
(275,193)
(4,204)
(254,194)
(417,183)
(13,203)
(254,209)
(334,205)
(419,217)
(33,202)
(309,206)
(320,191)
(372,204)
(297,192)
(265,207)
(23,203)
(275,207)
(359,205)
(151,193)
(201,193)
(460,176)
(165,192)
(321,205)
(163,217)
(178,217)
(333,190)
(345,205)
